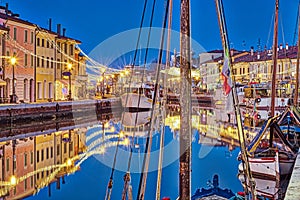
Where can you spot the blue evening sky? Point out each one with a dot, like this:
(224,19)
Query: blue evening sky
(93,21)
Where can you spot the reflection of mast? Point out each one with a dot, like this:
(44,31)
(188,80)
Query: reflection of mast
(297,66)
(227,61)
(185,103)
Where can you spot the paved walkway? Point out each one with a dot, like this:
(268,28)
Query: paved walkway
(293,192)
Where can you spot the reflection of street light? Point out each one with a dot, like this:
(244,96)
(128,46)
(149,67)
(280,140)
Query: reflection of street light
(69,66)
(13,97)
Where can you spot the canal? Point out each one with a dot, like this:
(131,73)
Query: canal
(72,157)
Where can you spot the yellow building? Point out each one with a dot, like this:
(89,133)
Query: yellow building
(66,64)
(45,65)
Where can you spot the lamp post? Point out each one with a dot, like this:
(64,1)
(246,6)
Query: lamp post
(69,66)
(13,97)
(102,89)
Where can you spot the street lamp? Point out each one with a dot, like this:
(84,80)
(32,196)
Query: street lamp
(69,66)
(13,97)
(102,92)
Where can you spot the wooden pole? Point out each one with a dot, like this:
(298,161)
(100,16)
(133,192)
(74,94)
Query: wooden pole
(275,44)
(185,103)
(297,66)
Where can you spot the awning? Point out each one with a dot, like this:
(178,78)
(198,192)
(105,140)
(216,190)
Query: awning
(2,82)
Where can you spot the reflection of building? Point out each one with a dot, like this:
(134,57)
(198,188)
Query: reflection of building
(18,160)
(37,161)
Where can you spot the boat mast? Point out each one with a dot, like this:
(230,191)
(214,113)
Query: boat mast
(241,134)
(275,44)
(297,66)
(163,106)
(185,103)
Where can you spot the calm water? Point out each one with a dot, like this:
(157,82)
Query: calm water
(210,155)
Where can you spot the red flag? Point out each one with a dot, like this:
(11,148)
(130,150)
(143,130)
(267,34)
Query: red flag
(227,84)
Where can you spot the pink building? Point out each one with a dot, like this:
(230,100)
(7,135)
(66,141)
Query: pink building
(20,43)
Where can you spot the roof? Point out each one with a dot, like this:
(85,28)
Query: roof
(16,19)
(290,53)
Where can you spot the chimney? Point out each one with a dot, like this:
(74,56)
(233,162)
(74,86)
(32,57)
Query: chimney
(231,52)
(58,29)
(50,24)
(286,46)
(280,47)
(258,56)
(6,8)
(64,32)
(251,51)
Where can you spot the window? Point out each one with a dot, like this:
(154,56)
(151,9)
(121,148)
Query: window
(15,33)
(47,62)
(71,49)
(65,147)
(52,63)
(48,45)
(7,53)
(43,42)
(38,176)
(38,62)
(25,59)
(31,181)
(58,45)
(25,184)
(57,149)
(51,152)
(25,159)
(37,156)
(42,155)
(39,90)
(25,36)
(71,146)
(38,42)
(47,153)
(31,157)
(43,61)
(7,164)
(31,60)
(31,36)
(50,96)
(66,48)
(25,88)
(45,89)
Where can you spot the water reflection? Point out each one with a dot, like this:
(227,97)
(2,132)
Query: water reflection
(38,154)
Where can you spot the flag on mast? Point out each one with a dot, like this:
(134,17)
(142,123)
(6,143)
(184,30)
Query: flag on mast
(227,84)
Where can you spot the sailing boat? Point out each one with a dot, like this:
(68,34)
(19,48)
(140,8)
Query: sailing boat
(270,154)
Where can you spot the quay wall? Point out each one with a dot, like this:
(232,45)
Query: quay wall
(14,113)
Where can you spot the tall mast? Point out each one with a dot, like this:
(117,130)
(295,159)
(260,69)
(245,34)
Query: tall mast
(185,103)
(275,44)
(241,134)
(297,66)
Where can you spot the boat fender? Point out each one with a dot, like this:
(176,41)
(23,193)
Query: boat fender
(57,107)
(258,100)
(258,116)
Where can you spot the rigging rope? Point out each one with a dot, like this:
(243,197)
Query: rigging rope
(163,105)
(143,178)
(110,183)
(127,175)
